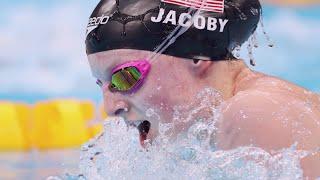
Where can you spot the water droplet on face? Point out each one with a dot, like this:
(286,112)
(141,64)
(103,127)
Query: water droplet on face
(243,114)
(150,112)
(166,128)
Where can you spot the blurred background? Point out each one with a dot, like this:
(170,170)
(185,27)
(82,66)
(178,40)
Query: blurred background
(50,104)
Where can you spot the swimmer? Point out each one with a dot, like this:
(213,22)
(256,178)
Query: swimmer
(161,54)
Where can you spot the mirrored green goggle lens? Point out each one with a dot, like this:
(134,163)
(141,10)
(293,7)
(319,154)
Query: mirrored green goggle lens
(125,79)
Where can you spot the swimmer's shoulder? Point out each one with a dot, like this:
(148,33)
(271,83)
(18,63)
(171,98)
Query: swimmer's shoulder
(273,114)
(253,82)
(263,109)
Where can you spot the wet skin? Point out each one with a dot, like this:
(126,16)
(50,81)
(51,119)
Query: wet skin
(273,114)
(257,109)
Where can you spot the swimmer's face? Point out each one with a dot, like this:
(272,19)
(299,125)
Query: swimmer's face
(172,82)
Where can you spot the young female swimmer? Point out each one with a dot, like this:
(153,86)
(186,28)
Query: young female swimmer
(135,47)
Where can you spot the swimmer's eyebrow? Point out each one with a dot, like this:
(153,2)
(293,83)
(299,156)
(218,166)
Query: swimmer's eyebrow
(112,66)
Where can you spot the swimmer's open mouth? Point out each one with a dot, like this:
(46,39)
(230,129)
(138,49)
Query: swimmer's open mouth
(143,127)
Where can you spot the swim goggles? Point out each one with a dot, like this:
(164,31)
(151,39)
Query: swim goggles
(128,77)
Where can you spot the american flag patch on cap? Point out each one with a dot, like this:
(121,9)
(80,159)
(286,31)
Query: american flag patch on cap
(206,5)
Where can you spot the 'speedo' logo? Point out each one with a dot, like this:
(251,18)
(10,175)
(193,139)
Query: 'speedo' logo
(94,22)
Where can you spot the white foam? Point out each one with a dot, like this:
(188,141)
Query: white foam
(117,154)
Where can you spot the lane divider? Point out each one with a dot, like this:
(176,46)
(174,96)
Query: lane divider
(47,125)
(13,121)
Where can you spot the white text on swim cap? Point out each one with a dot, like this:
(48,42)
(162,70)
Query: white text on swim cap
(95,21)
(186,20)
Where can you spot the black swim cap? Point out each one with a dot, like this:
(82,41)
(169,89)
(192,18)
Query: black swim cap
(145,25)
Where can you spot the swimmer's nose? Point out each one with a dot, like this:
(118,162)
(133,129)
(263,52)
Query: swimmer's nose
(116,108)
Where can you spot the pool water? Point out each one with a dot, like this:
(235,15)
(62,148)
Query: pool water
(295,55)
(118,155)
(38,164)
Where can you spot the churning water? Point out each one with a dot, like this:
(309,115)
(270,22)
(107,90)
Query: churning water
(192,154)
(117,154)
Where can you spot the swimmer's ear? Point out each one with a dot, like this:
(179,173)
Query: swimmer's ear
(200,67)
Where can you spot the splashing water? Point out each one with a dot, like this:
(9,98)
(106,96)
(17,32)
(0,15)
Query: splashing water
(250,47)
(117,154)
(270,43)
(252,42)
